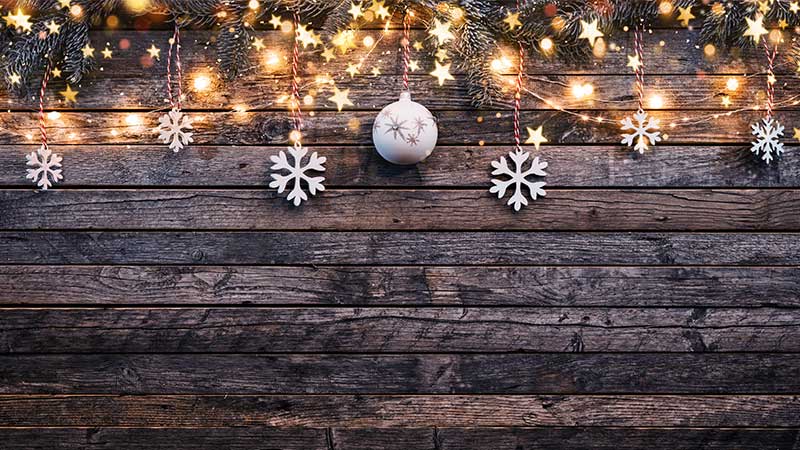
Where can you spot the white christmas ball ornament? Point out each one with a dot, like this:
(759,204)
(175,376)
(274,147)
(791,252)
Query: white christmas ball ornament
(405,132)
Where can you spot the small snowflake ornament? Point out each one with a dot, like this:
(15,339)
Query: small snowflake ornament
(297,173)
(518,178)
(645,131)
(172,127)
(46,167)
(767,144)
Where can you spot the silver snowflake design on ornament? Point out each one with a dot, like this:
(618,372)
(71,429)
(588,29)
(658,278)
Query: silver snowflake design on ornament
(45,165)
(519,178)
(297,173)
(768,133)
(396,126)
(412,139)
(172,127)
(644,131)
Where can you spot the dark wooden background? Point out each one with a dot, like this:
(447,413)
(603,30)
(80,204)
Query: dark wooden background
(158,300)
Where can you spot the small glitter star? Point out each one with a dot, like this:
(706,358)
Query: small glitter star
(88,51)
(69,95)
(590,32)
(535,137)
(106,53)
(154,52)
(512,20)
(442,72)
(258,44)
(53,27)
(340,98)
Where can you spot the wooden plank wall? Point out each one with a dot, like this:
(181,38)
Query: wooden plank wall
(159,300)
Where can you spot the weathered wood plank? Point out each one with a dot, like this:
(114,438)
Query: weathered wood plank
(240,438)
(354,330)
(582,210)
(399,248)
(394,286)
(265,438)
(321,411)
(591,166)
(596,438)
(401,374)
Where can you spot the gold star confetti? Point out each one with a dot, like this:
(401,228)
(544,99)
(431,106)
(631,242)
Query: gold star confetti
(764,6)
(381,12)
(106,53)
(276,21)
(352,69)
(88,51)
(634,62)
(797,133)
(441,54)
(685,15)
(56,72)
(794,7)
(376,71)
(340,98)
(344,40)
(307,37)
(783,24)
(258,44)
(65,3)
(441,31)
(535,137)
(355,10)
(69,95)
(328,54)
(726,100)
(418,46)
(442,72)
(413,65)
(154,52)
(53,27)
(512,20)
(755,28)
(14,78)
(590,32)
(18,20)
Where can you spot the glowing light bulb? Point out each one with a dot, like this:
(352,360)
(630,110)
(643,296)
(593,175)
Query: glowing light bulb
(272,58)
(253,4)
(656,101)
(732,84)
(369,41)
(201,83)
(582,90)
(53,115)
(546,45)
(133,120)
(295,136)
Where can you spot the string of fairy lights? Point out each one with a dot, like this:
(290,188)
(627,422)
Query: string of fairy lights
(345,41)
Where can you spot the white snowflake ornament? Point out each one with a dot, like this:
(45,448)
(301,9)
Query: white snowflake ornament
(46,167)
(172,127)
(519,178)
(768,133)
(297,173)
(645,131)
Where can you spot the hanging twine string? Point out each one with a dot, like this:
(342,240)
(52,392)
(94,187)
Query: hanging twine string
(405,42)
(297,115)
(176,43)
(770,76)
(42,127)
(638,33)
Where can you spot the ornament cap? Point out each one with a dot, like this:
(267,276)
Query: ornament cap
(405,95)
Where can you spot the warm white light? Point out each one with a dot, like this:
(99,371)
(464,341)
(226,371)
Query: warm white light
(133,120)
(201,83)
(656,101)
(253,4)
(295,136)
(546,45)
(732,84)
(53,115)
(272,58)
(582,90)
(369,41)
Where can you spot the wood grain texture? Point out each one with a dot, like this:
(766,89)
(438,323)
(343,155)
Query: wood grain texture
(393,248)
(364,411)
(330,128)
(395,286)
(601,210)
(448,166)
(270,438)
(576,373)
(354,330)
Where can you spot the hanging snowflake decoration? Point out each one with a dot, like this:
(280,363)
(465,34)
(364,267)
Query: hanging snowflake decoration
(642,135)
(46,166)
(519,177)
(768,133)
(297,173)
(172,127)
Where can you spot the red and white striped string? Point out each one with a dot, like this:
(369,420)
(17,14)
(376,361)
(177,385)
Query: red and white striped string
(518,94)
(770,76)
(42,125)
(297,115)
(638,38)
(405,43)
(175,101)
